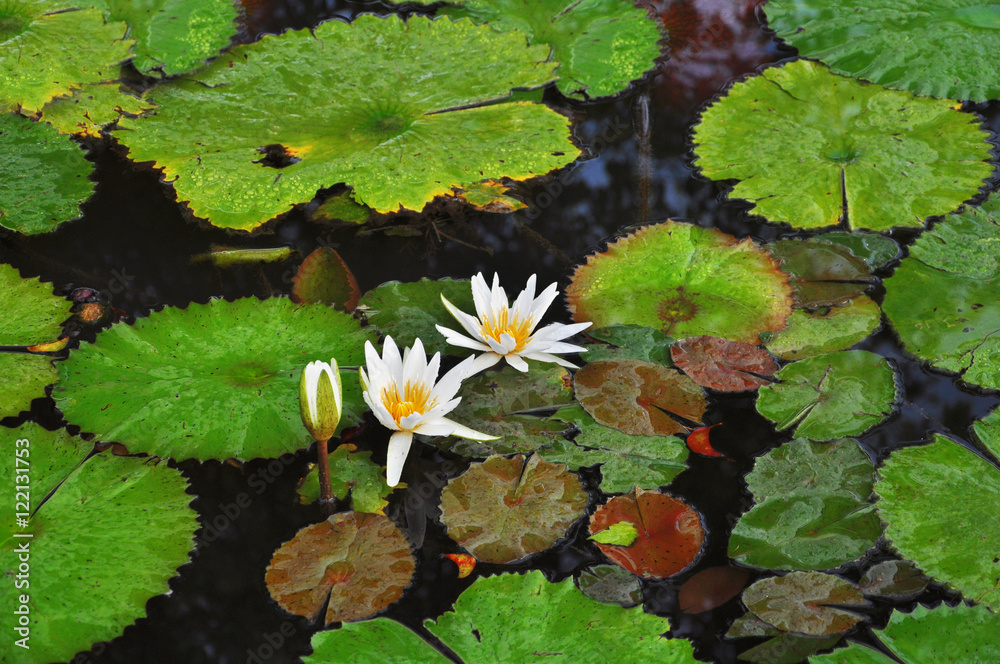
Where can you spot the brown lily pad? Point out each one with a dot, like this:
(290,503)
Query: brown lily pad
(635,397)
(804,602)
(361,561)
(723,365)
(821,274)
(670,533)
(503,510)
(711,588)
(324,277)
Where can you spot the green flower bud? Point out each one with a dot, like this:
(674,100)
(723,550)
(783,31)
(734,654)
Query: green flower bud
(321,398)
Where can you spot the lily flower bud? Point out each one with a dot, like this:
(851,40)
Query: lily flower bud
(321,398)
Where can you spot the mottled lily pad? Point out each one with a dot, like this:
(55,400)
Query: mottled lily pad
(723,365)
(361,562)
(820,273)
(351,472)
(811,510)
(924,501)
(324,277)
(671,534)
(215,380)
(610,584)
(894,580)
(832,149)
(629,341)
(875,249)
(685,281)
(504,510)
(826,330)
(832,395)
(90,109)
(411,118)
(804,602)
(638,397)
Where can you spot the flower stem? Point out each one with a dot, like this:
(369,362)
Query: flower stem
(326,502)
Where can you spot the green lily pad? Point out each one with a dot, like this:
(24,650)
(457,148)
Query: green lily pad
(554,622)
(804,602)
(107,514)
(830,396)
(399,139)
(821,274)
(987,432)
(622,533)
(223,256)
(91,108)
(811,508)
(943,300)
(610,584)
(490,197)
(45,175)
(723,365)
(341,207)
(875,249)
(626,461)
(787,648)
(510,404)
(408,311)
(685,281)
(930,519)
(215,380)
(601,45)
(503,510)
(351,472)
(931,48)
(25,378)
(629,342)
(360,562)
(833,149)
(67,48)
(893,579)
(826,330)
(639,397)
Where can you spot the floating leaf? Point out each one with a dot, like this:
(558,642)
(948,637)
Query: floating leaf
(341,207)
(490,197)
(215,380)
(834,149)
(25,379)
(107,514)
(875,249)
(50,347)
(685,281)
(324,277)
(626,461)
(399,139)
(410,311)
(812,508)
(229,256)
(45,175)
(711,588)
(635,397)
(827,330)
(987,432)
(464,561)
(925,504)
(67,48)
(821,274)
(361,562)
(943,301)
(503,510)
(699,441)
(935,49)
(804,602)
(894,580)
(508,404)
(610,584)
(91,108)
(671,534)
(622,533)
(372,641)
(719,364)
(351,472)
(830,396)
(787,648)
(629,342)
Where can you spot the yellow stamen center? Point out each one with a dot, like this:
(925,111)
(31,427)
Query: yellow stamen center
(412,400)
(519,329)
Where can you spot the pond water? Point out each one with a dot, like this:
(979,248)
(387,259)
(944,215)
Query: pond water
(134,244)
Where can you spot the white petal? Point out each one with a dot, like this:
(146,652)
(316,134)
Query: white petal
(457,339)
(522,306)
(508,341)
(466,432)
(412,421)
(471,325)
(545,357)
(451,381)
(544,301)
(516,362)
(480,295)
(363,377)
(399,447)
(484,361)
(559,331)
(380,412)
(372,359)
(391,359)
(338,386)
(496,346)
(435,428)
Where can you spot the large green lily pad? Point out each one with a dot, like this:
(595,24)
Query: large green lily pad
(826,330)
(44,174)
(832,395)
(811,508)
(108,514)
(943,300)
(685,281)
(831,149)
(396,109)
(66,47)
(932,501)
(215,380)
(940,49)
(504,510)
(91,108)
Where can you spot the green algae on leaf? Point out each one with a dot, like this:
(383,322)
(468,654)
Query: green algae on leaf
(940,49)
(925,502)
(830,396)
(811,508)
(804,602)
(826,330)
(211,381)
(684,281)
(831,149)
(409,118)
(351,472)
(723,365)
(67,47)
(503,510)
(360,562)
(45,175)
(88,110)
(820,273)
(408,311)
(107,514)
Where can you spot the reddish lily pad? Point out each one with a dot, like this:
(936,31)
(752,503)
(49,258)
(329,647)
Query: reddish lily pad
(821,274)
(504,510)
(711,588)
(699,442)
(324,277)
(635,397)
(723,365)
(671,534)
(361,562)
(464,562)
(804,602)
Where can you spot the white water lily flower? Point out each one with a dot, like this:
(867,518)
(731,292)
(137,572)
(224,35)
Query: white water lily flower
(505,332)
(402,393)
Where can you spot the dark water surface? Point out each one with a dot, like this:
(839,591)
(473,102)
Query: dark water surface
(134,244)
